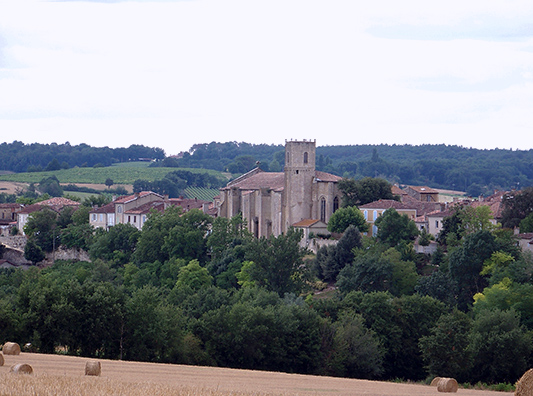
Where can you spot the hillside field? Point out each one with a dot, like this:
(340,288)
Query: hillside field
(64,375)
(119,173)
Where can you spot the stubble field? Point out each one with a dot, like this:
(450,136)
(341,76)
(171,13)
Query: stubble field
(64,375)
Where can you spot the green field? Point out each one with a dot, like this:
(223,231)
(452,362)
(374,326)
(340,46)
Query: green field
(205,194)
(125,173)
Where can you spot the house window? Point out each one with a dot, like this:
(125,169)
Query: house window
(94,216)
(288,157)
(323,209)
(144,219)
(306,158)
(436,224)
(129,219)
(375,214)
(134,219)
(365,213)
(335,204)
(374,230)
(119,209)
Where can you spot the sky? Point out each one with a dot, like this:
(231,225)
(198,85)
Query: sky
(175,73)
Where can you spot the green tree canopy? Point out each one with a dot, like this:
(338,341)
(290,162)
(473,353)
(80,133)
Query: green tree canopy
(366,190)
(278,262)
(394,228)
(345,217)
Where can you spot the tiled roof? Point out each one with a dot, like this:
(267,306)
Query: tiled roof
(326,177)
(147,207)
(109,208)
(387,204)
(258,180)
(59,201)
(31,208)
(132,197)
(11,205)
(398,191)
(528,235)
(494,202)
(307,223)
(424,189)
(188,203)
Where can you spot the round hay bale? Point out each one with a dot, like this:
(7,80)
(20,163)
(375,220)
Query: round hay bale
(447,385)
(524,386)
(21,368)
(93,367)
(11,348)
(435,381)
(1,359)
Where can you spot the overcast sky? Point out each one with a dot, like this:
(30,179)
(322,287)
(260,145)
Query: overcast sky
(174,73)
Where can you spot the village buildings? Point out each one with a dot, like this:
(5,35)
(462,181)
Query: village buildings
(135,209)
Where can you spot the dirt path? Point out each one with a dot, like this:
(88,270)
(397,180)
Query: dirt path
(224,379)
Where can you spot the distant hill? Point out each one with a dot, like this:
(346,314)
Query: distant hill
(439,166)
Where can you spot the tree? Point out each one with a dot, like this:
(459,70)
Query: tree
(466,264)
(366,190)
(394,228)
(173,234)
(50,185)
(445,350)
(109,182)
(194,276)
(345,217)
(278,264)
(368,273)
(33,252)
(356,352)
(332,259)
(227,232)
(41,227)
(526,225)
(517,205)
(117,244)
(500,347)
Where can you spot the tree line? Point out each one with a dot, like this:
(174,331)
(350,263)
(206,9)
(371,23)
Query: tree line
(36,157)
(438,166)
(191,289)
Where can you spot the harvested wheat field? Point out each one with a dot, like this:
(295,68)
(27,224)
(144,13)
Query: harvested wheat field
(64,375)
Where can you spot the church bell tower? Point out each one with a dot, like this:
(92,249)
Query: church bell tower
(299,176)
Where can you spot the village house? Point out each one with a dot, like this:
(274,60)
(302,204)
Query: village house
(8,217)
(57,204)
(135,209)
(272,202)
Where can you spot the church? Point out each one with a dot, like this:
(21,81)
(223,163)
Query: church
(272,202)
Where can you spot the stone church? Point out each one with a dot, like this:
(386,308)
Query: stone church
(271,202)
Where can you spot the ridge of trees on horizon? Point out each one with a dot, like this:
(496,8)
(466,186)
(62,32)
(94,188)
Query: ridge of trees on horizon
(439,166)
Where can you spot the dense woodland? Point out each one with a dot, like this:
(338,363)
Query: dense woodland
(196,290)
(440,166)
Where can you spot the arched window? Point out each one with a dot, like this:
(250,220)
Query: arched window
(306,158)
(323,209)
(335,204)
